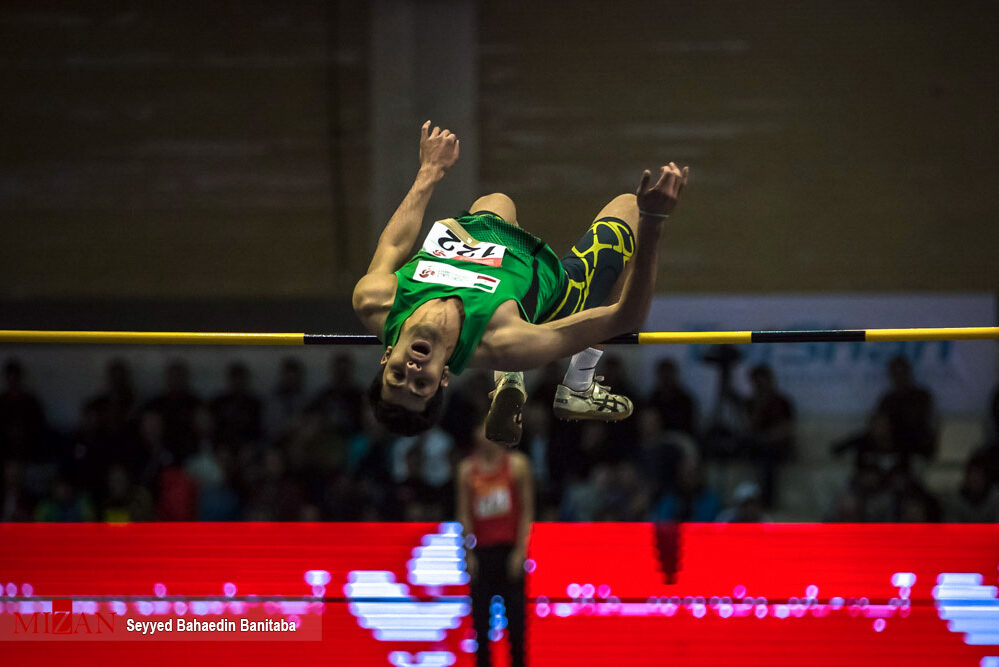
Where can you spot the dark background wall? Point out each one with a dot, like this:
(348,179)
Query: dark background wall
(160,154)
(211,164)
(836,146)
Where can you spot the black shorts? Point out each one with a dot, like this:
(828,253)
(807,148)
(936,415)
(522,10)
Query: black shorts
(593,266)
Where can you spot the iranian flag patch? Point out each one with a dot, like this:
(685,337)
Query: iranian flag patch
(445,274)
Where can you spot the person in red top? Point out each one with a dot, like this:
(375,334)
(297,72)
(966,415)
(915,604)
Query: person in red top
(495,504)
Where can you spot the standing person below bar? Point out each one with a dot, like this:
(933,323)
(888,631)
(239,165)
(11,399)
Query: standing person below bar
(495,503)
(480,291)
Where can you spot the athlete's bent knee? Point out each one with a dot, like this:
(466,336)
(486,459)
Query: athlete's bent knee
(623,207)
(497,203)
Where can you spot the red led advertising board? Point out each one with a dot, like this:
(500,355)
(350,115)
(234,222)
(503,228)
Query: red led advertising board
(598,594)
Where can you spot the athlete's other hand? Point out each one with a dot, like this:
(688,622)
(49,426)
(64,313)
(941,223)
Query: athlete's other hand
(438,148)
(660,198)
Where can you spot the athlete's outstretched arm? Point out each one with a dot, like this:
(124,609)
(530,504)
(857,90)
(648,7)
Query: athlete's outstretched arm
(655,202)
(522,345)
(438,152)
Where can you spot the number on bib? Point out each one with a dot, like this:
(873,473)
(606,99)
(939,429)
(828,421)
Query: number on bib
(444,243)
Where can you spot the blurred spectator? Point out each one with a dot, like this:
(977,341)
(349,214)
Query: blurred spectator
(64,504)
(151,455)
(747,506)
(721,436)
(214,475)
(467,399)
(114,407)
(628,498)
(178,496)
(309,512)
(215,498)
(422,467)
(435,448)
(690,498)
(107,431)
(910,412)
(91,450)
(340,401)
(125,501)
(368,474)
(415,498)
(977,500)
(237,411)
(287,401)
(15,505)
(873,447)
(313,450)
(594,447)
(535,442)
(878,496)
(495,505)
(343,498)
(332,464)
(913,501)
(623,434)
(990,450)
(585,498)
(769,439)
(660,453)
(866,499)
(369,451)
(273,494)
(564,437)
(671,400)
(994,416)
(22,419)
(204,463)
(176,407)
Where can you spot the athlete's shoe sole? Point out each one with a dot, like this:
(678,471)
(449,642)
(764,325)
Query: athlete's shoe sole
(504,422)
(594,404)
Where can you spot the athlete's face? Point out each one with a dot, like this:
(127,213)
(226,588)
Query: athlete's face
(413,371)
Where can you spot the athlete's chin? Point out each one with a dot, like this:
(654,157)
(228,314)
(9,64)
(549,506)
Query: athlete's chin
(424,333)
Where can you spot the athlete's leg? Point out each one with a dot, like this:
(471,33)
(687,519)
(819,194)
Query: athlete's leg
(624,208)
(598,268)
(581,367)
(499,204)
(503,422)
(599,262)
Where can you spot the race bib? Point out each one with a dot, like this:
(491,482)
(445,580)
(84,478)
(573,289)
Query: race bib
(442,241)
(496,502)
(445,274)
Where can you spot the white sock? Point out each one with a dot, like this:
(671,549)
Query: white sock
(579,377)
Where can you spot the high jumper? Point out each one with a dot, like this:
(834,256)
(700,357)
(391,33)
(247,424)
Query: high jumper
(482,292)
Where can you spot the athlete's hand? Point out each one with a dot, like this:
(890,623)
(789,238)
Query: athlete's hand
(438,148)
(660,198)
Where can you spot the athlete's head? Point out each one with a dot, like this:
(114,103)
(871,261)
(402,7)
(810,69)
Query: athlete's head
(408,391)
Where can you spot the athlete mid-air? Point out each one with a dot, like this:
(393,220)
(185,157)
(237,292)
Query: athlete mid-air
(482,292)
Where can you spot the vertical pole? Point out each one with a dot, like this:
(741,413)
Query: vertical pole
(424,65)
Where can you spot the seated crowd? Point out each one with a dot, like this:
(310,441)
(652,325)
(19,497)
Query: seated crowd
(286,455)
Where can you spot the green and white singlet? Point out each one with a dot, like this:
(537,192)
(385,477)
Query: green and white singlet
(507,263)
